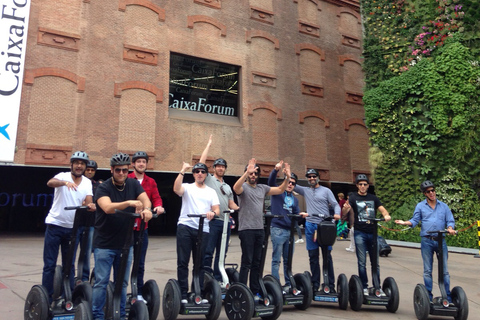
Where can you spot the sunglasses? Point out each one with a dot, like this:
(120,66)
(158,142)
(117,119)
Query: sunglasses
(255,173)
(293,183)
(200,171)
(430,191)
(363,184)
(124,170)
(311,177)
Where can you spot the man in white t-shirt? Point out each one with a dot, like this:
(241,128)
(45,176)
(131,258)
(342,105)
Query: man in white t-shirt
(197,198)
(71,189)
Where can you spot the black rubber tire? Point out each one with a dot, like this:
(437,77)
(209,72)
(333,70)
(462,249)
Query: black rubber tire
(391,290)
(138,311)
(305,286)
(239,304)
(83,311)
(213,293)
(233,275)
(57,282)
(342,291)
(459,299)
(82,292)
(172,297)
(36,304)
(274,291)
(421,302)
(151,294)
(271,278)
(355,293)
(207,276)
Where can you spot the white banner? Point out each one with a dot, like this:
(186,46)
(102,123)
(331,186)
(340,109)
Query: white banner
(14,15)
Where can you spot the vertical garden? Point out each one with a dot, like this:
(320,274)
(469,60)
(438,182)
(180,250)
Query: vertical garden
(422,107)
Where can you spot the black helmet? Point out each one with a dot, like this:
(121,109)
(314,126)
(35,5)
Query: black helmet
(221,162)
(294,177)
(200,165)
(140,155)
(361,177)
(426,184)
(256,166)
(311,171)
(92,164)
(79,155)
(120,159)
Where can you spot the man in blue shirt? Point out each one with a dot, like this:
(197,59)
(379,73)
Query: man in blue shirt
(434,215)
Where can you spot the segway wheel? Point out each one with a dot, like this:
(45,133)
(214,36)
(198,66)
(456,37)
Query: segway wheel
(57,282)
(391,290)
(342,291)
(36,304)
(233,275)
(138,311)
(459,299)
(421,302)
(274,291)
(83,311)
(355,293)
(305,286)
(151,294)
(207,276)
(239,304)
(213,293)
(171,300)
(82,292)
(271,278)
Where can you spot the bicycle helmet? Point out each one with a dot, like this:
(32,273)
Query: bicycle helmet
(361,177)
(426,184)
(294,176)
(221,162)
(200,165)
(120,159)
(140,155)
(79,155)
(311,171)
(92,164)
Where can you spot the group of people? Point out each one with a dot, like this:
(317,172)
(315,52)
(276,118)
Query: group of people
(210,195)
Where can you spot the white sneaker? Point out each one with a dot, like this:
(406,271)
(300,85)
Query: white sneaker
(184,301)
(140,298)
(365,292)
(300,241)
(381,293)
(350,249)
(204,301)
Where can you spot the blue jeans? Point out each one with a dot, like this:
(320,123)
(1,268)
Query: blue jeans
(314,257)
(428,247)
(364,242)
(55,238)
(251,242)
(105,259)
(87,250)
(280,245)
(186,246)
(143,255)
(213,245)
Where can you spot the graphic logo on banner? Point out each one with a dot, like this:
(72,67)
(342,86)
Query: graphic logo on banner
(14,15)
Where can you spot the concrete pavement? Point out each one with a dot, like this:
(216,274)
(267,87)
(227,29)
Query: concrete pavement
(21,267)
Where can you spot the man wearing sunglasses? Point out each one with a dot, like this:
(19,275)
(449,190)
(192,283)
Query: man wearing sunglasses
(251,197)
(197,198)
(318,200)
(434,215)
(122,193)
(225,196)
(363,205)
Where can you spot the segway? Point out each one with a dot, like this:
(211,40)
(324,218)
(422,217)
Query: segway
(326,236)
(172,295)
(72,305)
(240,303)
(300,293)
(374,298)
(440,305)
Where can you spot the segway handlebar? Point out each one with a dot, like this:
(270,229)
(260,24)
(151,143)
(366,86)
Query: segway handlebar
(136,215)
(440,231)
(376,219)
(269,215)
(75,208)
(321,215)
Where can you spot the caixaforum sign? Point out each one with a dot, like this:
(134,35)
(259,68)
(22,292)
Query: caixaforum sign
(14,15)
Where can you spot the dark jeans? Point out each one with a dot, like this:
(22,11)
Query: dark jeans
(314,256)
(364,243)
(251,242)
(143,254)
(186,246)
(213,245)
(55,238)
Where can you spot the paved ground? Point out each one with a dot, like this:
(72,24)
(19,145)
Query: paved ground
(21,267)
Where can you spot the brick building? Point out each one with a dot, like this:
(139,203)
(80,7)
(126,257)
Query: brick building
(99,78)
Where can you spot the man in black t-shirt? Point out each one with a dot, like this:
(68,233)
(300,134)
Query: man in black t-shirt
(120,193)
(364,205)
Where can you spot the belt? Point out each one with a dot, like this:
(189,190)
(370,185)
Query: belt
(432,238)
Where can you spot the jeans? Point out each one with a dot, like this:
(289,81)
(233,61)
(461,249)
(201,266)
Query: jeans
(299,231)
(428,247)
(364,242)
(251,242)
(143,254)
(213,245)
(56,238)
(314,257)
(280,245)
(186,246)
(105,259)
(87,250)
